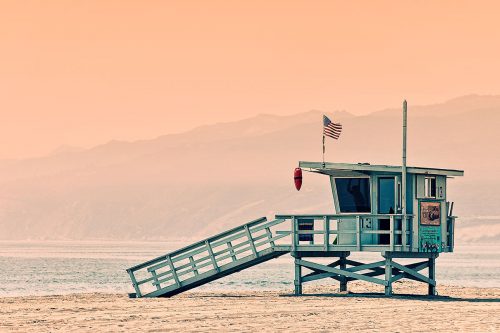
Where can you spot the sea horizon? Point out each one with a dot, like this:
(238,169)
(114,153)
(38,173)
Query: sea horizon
(36,268)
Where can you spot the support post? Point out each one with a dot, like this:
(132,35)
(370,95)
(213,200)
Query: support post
(298,277)
(388,276)
(343,279)
(432,275)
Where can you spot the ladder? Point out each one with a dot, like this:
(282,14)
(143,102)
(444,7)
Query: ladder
(213,258)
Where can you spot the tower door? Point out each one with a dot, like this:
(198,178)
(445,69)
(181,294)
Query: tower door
(386,204)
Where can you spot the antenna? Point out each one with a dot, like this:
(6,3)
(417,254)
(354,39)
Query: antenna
(403,168)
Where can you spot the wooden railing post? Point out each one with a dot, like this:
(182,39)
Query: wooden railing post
(250,240)
(155,281)
(358,233)
(404,223)
(193,265)
(231,251)
(212,256)
(174,273)
(452,234)
(326,227)
(391,232)
(409,227)
(295,241)
(270,236)
(134,283)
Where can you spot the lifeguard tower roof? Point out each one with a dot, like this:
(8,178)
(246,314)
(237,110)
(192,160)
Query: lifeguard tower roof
(333,169)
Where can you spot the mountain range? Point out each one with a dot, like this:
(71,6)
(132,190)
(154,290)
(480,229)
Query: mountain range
(192,184)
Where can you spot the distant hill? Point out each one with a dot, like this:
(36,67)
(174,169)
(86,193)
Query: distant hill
(212,177)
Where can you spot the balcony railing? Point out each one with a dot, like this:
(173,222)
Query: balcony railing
(350,232)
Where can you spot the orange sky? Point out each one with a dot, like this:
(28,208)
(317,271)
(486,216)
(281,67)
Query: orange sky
(85,72)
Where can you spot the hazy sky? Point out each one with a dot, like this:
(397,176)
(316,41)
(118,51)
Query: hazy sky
(85,72)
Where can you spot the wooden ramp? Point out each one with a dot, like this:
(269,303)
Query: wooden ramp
(210,259)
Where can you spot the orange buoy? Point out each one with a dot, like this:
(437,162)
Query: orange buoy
(297,177)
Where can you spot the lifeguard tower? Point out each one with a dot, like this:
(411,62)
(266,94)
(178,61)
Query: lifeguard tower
(399,211)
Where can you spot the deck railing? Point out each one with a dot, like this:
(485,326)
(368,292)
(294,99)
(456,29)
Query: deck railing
(328,236)
(450,232)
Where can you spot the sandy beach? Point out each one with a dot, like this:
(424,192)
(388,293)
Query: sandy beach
(456,309)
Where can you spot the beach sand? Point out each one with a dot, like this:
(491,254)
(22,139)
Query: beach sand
(457,309)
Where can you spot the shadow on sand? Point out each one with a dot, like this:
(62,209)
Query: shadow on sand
(425,298)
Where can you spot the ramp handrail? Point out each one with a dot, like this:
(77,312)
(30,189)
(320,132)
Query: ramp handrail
(205,257)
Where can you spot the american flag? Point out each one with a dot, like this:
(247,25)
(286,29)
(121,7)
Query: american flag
(331,129)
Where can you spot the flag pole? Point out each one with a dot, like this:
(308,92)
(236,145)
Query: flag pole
(323,150)
(403,168)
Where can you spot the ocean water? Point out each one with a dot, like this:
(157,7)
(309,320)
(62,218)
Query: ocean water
(53,268)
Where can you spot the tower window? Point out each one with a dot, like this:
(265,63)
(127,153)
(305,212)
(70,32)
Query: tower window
(430,187)
(353,195)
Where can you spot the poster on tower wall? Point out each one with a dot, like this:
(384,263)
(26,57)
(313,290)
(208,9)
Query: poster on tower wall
(430,227)
(430,213)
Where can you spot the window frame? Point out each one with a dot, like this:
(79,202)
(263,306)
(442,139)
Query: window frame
(336,196)
(397,194)
(428,181)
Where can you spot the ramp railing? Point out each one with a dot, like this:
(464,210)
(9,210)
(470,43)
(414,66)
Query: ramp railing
(220,255)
